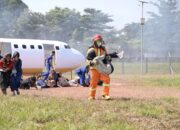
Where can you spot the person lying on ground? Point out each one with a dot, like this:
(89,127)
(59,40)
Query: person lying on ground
(64,82)
(40,83)
(28,83)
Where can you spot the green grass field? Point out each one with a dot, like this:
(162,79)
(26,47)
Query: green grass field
(167,81)
(153,68)
(42,113)
(157,76)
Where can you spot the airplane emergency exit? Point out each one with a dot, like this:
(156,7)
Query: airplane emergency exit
(34,52)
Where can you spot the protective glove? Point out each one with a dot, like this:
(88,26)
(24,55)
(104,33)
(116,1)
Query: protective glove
(120,54)
(108,58)
(92,63)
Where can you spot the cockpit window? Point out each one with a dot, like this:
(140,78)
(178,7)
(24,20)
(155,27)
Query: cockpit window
(57,47)
(67,46)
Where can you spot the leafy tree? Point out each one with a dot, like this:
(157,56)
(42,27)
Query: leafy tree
(130,39)
(30,25)
(131,31)
(10,10)
(161,31)
(162,28)
(61,23)
(94,22)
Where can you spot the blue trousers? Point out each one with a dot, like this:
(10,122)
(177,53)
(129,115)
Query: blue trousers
(41,83)
(46,73)
(81,78)
(15,82)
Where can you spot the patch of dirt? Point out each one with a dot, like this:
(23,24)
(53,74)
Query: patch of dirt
(118,89)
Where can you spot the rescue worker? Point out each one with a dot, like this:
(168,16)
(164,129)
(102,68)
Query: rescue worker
(84,77)
(6,68)
(49,65)
(97,49)
(52,79)
(16,74)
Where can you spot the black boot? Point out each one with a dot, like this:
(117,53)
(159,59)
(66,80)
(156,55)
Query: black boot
(4,92)
(18,93)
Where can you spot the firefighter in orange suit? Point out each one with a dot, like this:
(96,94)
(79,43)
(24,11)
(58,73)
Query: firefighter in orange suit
(97,49)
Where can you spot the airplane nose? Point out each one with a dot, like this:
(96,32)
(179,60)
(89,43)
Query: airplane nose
(78,58)
(69,58)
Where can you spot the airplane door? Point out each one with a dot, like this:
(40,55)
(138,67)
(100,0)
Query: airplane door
(48,49)
(5,48)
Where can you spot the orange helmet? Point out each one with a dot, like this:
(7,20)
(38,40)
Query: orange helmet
(97,37)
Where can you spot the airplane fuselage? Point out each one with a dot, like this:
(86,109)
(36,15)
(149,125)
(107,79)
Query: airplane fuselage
(34,52)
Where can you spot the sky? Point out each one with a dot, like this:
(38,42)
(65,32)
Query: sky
(122,11)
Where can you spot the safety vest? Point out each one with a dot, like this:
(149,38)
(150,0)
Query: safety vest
(98,52)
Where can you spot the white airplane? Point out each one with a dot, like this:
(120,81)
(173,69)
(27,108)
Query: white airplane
(34,52)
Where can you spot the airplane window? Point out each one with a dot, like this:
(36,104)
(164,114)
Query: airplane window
(39,47)
(32,46)
(15,46)
(67,46)
(24,46)
(57,47)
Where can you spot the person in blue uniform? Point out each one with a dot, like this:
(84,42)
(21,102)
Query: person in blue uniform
(49,64)
(84,77)
(16,73)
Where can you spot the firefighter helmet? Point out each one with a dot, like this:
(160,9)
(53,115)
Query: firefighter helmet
(97,37)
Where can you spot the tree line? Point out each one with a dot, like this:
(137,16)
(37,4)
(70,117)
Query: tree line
(161,31)
(58,24)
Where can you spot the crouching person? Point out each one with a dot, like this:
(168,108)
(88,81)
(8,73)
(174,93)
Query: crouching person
(52,79)
(84,77)
(15,79)
(6,67)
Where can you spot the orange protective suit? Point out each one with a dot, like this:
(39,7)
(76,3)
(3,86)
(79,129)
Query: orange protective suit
(95,75)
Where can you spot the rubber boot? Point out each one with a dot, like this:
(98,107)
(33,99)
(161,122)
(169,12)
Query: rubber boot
(4,91)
